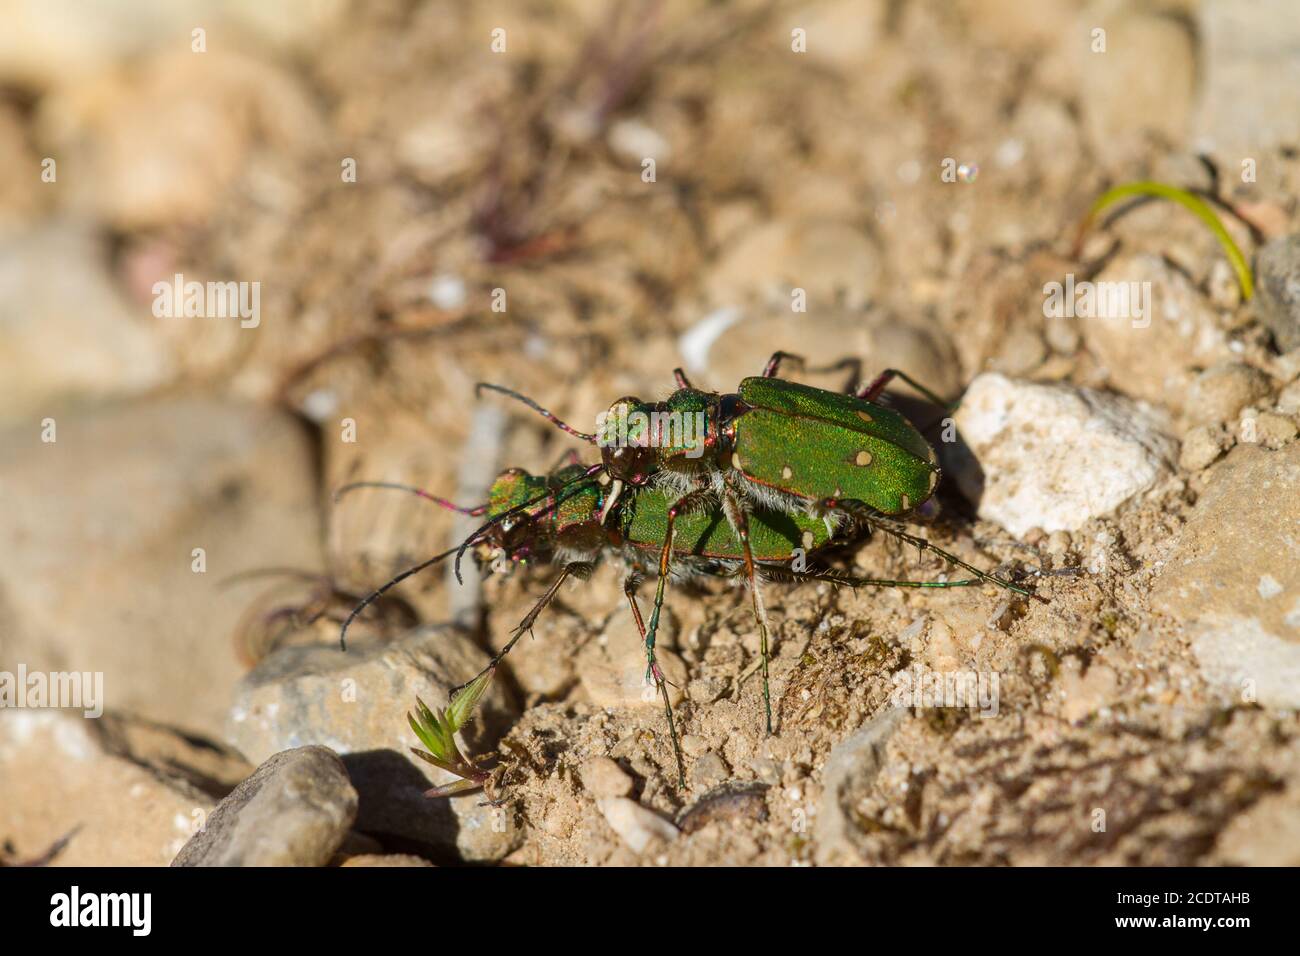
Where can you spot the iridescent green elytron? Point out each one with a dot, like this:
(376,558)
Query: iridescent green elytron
(824,447)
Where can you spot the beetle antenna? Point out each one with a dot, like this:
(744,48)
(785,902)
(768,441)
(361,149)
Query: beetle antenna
(397,486)
(478,390)
(378,592)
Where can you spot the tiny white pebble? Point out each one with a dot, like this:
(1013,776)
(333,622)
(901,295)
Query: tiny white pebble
(447,291)
(1010,152)
(320,404)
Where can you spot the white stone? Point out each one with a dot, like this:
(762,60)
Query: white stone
(1053,456)
(635,825)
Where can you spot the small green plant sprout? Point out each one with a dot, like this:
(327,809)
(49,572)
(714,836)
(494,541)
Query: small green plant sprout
(1189,201)
(437,731)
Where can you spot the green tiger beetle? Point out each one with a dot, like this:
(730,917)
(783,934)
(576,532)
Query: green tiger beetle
(565,518)
(776,446)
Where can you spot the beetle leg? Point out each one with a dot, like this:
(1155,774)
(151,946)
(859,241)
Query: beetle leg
(872,391)
(855,373)
(850,581)
(774,363)
(921,544)
(682,505)
(526,625)
(854,365)
(629,588)
(734,507)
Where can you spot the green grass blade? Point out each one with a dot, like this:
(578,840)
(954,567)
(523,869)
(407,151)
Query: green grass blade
(1193,204)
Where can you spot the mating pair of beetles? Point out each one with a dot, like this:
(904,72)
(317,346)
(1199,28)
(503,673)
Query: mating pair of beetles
(779,471)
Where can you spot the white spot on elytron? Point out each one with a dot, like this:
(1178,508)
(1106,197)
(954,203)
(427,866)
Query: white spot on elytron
(808,539)
(864,416)
(934,480)
(1269,587)
(735,461)
(863,459)
(786,473)
(905,501)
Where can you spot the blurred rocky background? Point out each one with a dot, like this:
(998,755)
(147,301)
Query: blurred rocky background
(571,198)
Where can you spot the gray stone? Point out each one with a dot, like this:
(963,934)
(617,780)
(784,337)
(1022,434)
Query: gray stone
(850,771)
(827,259)
(604,778)
(295,810)
(612,669)
(356,703)
(1277,279)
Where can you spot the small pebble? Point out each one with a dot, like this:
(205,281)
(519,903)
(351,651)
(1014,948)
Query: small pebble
(1059,543)
(1274,430)
(729,803)
(635,825)
(447,292)
(709,771)
(706,690)
(386,859)
(605,778)
(1062,336)
(1289,399)
(694,745)
(1222,390)
(1202,445)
